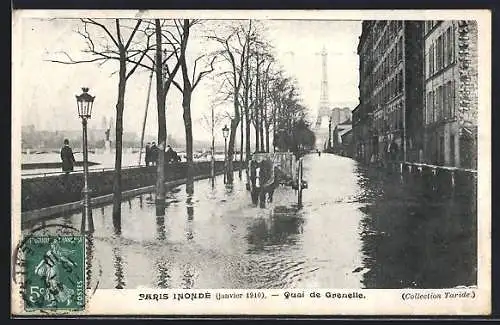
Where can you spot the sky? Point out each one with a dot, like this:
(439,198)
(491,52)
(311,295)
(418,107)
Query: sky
(48,89)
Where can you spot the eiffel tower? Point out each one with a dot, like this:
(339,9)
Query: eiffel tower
(322,120)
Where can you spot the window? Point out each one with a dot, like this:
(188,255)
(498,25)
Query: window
(401,81)
(434,119)
(445,102)
(450,44)
(400,120)
(439,110)
(452,95)
(452,150)
(439,53)
(450,99)
(429,106)
(445,49)
(401,50)
(431,60)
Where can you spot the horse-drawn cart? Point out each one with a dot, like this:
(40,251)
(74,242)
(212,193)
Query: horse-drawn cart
(266,171)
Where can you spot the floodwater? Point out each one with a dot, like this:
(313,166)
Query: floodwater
(358,228)
(104,160)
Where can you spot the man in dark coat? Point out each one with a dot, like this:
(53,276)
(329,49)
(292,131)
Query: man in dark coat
(148,153)
(154,154)
(68,160)
(169,154)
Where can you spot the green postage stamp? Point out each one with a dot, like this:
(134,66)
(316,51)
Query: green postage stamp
(54,273)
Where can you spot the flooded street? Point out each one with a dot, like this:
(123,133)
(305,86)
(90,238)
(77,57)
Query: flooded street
(358,228)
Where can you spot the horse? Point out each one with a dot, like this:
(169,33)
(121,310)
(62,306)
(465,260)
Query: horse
(263,181)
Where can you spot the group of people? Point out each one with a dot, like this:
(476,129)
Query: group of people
(152,153)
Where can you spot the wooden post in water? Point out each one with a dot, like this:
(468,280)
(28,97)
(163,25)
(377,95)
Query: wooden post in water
(300,183)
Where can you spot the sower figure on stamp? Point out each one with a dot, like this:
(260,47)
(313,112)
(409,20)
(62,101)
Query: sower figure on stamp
(48,269)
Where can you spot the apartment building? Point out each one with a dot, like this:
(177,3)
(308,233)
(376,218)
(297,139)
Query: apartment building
(450,114)
(387,124)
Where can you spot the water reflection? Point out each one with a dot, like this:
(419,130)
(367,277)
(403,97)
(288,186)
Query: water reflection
(160,228)
(163,280)
(415,236)
(188,276)
(118,264)
(117,226)
(89,258)
(280,227)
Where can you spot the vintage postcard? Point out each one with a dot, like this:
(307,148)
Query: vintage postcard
(251,163)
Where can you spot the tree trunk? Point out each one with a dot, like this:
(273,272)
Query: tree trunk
(266,117)
(230,150)
(212,152)
(245,103)
(117,179)
(261,124)
(241,145)
(267,135)
(188,127)
(256,115)
(162,125)
(232,138)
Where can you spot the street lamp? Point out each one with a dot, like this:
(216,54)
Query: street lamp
(84,103)
(225,133)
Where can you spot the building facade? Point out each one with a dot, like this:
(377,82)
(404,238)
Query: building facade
(387,124)
(337,116)
(451,105)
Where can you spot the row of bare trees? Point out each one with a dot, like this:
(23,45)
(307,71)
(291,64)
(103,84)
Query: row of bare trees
(264,101)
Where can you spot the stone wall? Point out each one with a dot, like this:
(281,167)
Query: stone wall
(42,192)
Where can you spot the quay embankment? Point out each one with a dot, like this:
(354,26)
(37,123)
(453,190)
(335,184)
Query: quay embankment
(41,194)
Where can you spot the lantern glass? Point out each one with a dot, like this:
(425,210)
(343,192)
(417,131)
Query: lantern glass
(225,131)
(84,103)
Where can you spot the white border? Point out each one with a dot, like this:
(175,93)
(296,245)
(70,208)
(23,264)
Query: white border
(379,302)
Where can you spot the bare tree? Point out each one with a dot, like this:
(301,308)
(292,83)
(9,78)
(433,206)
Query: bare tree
(105,43)
(189,83)
(160,63)
(233,50)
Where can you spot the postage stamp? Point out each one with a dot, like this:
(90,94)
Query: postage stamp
(54,273)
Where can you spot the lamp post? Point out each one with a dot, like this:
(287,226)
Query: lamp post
(225,133)
(84,104)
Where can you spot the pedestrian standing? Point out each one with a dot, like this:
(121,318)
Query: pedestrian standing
(148,153)
(67,157)
(154,154)
(68,161)
(169,154)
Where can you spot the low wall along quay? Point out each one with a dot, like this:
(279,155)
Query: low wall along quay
(47,191)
